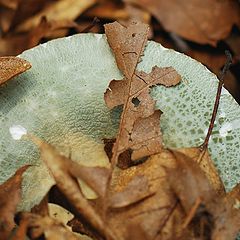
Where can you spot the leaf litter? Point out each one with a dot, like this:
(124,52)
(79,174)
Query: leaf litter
(171,194)
(11,67)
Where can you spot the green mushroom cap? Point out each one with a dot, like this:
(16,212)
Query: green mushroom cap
(60,99)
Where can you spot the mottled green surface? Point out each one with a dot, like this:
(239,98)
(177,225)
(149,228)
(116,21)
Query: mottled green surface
(61,100)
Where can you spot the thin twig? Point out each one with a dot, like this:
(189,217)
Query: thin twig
(169,214)
(192,212)
(91,25)
(226,67)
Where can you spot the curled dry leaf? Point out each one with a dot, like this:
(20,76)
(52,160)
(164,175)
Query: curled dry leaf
(11,4)
(155,214)
(206,164)
(139,133)
(11,67)
(94,177)
(202,204)
(62,170)
(235,193)
(26,9)
(10,196)
(57,10)
(136,190)
(16,43)
(199,21)
(188,181)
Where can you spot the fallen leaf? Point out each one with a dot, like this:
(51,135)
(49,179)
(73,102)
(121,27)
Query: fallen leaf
(207,165)
(16,43)
(12,4)
(188,181)
(26,9)
(10,196)
(61,169)
(57,11)
(94,177)
(6,16)
(139,133)
(154,210)
(21,231)
(51,229)
(198,21)
(78,227)
(136,232)
(136,190)
(11,67)
(203,206)
(235,193)
(41,208)
(109,10)
(138,14)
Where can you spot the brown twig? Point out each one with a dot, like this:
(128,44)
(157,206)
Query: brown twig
(192,212)
(223,73)
(169,214)
(91,25)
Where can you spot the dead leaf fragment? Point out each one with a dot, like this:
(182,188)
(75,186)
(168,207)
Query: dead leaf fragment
(10,196)
(57,11)
(45,226)
(136,190)
(199,21)
(11,67)
(203,206)
(206,164)
(61,169)
(188,181)
(139,133)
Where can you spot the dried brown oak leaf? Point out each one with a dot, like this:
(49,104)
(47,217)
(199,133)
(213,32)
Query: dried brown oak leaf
(206,164)
(65,172)
(167,197)
(203,206)
(139,130)
(10,196)
(11,67)
(200,21)
(153,208)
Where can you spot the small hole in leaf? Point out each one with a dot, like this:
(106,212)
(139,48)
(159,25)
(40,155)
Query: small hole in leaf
(134,34)
(136,102)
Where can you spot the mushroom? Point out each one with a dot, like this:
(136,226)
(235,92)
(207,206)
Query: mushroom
(60,99)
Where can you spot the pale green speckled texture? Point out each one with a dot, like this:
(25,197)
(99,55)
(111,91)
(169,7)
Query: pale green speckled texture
(61,100)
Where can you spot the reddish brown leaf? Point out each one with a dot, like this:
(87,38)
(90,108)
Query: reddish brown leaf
(61,169)
(189,181)
(57,11)
(25,9)
(21,232)
(11,67)
(156,215)
(206,164)
(139,133)
(42,207)
(196,20)
(16,43)
(136,190)
(10,196)
(94,177)
(235,193)
(11,4)
(203,207)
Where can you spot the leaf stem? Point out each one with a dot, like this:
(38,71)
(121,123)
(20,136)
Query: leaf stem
(223,73)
